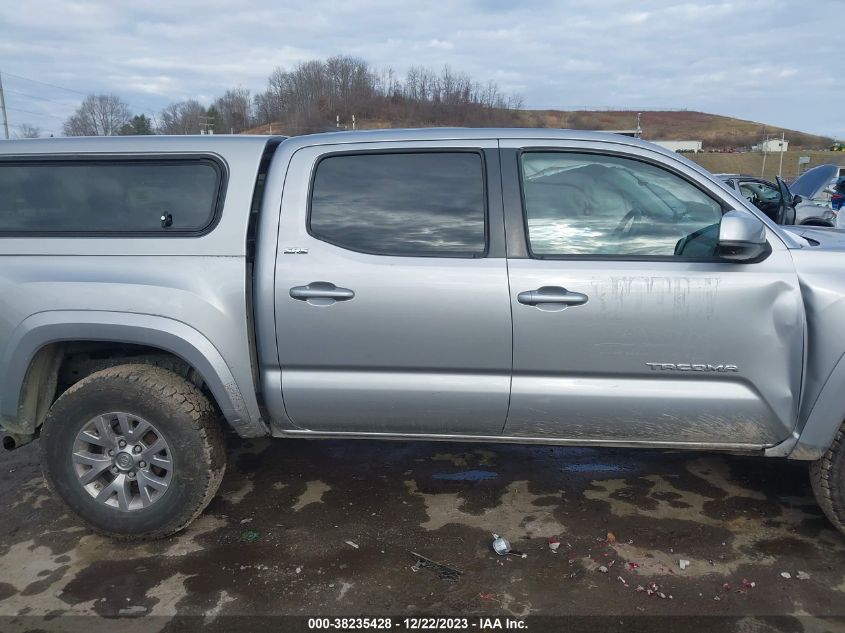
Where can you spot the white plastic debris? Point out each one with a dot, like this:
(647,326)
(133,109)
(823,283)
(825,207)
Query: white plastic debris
(133,612)
(683,563)
(802,575)
(603,569)
(352,544)
(501,545)
(785,574)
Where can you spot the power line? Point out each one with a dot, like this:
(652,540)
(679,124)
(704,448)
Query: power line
(35,113)
(29,96)
(151,113)
(45,83)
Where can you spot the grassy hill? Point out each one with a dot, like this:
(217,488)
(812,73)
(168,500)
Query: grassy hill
(715,131)
(751,163)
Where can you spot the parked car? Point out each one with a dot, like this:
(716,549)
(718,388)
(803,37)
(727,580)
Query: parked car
(533,286)
(816,184)
(837,197)
(781,203)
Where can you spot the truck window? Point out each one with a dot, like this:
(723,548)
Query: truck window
(424,204)
(115,196)
(592,205)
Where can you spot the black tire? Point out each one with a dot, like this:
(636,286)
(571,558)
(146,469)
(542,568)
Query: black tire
(181,414)
(827,476)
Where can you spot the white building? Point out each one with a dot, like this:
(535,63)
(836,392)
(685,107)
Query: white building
(680,146)
(772,145)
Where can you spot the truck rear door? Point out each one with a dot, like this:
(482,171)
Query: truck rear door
(391,289)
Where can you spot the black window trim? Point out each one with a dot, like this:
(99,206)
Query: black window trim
(607,257)
(216,161)
(407,150)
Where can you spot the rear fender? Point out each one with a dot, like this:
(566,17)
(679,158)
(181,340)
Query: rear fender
(239,407)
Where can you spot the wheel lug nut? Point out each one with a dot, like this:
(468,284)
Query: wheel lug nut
(136,449)
(111,453)
(143,464)
(132,474)
(121,444)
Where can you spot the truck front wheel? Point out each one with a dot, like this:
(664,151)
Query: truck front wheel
(828,478)
(135,451)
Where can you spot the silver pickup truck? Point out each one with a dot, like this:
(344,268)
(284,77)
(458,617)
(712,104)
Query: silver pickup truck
(542,286)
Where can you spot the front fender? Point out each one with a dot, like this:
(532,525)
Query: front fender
(240,408)
(824,419)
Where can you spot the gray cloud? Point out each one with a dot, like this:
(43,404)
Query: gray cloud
(766,60)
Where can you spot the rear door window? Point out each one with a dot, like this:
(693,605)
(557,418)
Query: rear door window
(423,204)
(109,196)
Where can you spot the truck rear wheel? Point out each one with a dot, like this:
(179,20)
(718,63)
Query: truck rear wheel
(828,478)
(135,451)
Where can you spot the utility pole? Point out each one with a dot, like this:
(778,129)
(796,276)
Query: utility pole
(206,125)
(3,107)
(780,167)
(765,153)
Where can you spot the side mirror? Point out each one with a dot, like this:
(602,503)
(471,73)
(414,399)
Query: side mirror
(796,200)
(742,236)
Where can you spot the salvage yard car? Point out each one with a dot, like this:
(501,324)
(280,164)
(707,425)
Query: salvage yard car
(783,203)
(535,286)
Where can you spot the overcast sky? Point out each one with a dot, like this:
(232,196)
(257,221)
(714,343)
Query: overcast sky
(773,61)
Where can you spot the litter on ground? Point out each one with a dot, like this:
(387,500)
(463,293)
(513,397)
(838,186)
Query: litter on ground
(444,571)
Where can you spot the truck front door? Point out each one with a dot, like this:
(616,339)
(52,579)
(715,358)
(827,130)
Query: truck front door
(625,329)
(392,304)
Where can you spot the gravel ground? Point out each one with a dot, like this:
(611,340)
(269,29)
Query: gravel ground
(326,528)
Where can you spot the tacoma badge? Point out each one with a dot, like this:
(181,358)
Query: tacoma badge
(691,367)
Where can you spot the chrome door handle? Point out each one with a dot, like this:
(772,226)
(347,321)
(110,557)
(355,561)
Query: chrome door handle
(321,293)
(551,295)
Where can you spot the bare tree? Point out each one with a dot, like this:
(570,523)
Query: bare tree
(309,97)
(182,117)
(235,111)
(25,130)
(98,115)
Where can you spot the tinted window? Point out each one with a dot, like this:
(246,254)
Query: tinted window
(114,196)
(583,204)
(424,204)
